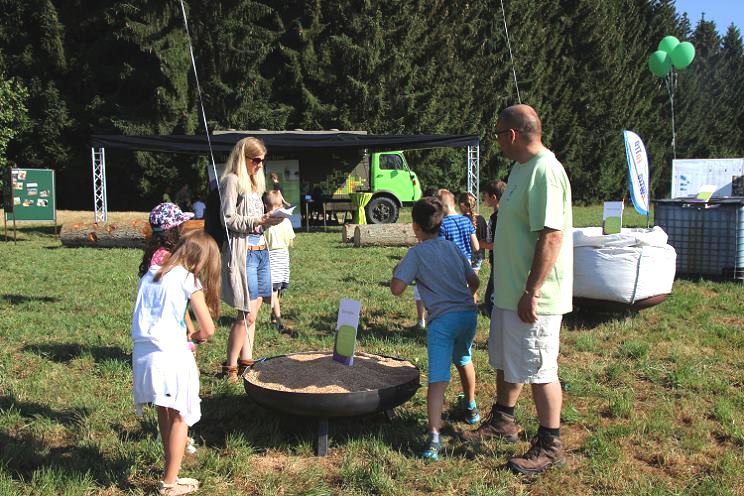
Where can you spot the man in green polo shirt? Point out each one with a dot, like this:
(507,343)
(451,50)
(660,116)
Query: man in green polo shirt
(533,288)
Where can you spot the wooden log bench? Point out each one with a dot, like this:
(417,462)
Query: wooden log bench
(126,234)
(384,235)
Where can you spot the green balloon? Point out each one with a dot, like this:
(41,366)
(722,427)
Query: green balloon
(682,55)
(659,63)
(668,43)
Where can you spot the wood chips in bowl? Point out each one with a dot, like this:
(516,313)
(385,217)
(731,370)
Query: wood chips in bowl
(317,372)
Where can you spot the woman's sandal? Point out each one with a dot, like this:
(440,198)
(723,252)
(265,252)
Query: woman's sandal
(230,372)
(244,364)
(181,486)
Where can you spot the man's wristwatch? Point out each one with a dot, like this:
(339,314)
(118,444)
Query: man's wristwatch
(532,294)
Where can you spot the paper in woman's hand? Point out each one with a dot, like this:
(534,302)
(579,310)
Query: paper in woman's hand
(284,213)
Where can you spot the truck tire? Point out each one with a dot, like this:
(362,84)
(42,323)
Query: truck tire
(382,210)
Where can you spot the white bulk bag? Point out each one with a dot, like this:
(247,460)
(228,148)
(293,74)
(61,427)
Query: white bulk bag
(627,267)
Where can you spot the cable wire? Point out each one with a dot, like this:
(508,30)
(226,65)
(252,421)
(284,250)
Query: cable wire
(511,55)
(204,119)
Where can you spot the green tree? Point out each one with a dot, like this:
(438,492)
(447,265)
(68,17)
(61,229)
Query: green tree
(13,117)
(728,116)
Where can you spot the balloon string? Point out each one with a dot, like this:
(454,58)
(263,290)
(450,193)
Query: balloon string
(204,118)
(511,55)
(671,85)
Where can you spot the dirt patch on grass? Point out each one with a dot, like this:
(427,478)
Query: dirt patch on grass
(271,461)
(734,321)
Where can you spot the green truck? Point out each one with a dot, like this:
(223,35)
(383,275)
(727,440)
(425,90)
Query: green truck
(327,181)
(393,184)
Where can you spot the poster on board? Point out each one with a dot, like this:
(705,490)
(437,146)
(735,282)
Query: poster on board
(30,195)
(690,175)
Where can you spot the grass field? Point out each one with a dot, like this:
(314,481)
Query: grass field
(654,405)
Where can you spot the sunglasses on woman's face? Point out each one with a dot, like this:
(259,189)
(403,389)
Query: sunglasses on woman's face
(256,160)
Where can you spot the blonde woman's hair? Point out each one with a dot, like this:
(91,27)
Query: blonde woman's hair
(198,253)
(468,199)
(236,164)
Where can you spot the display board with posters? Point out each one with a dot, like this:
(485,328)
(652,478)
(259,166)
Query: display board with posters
(690,175)
(30,195)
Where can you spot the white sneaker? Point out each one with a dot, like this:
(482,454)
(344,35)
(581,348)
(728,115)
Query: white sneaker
(190,446)
(181,486)
(421,324)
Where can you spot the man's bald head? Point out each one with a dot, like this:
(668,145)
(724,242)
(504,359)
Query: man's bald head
(524,119)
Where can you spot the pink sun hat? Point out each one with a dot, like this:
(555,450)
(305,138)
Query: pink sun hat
(166,216)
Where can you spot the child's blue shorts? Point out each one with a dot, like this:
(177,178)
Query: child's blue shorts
(449,340)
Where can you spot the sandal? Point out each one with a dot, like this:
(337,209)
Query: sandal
(230,372)
(181,486)
(244,364)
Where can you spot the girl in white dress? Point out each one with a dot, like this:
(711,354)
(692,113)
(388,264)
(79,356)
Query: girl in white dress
(165,372)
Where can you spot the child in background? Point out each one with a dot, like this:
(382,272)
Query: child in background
(164,369)
(198,207)
(457,228)
(420,309)
(166,221)
(446,282)
(492,196)
(467,203)
(279,239)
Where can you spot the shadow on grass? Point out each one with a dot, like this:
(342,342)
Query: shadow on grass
(46,230)
(226,417)
(16,299)
(32,410)
(65,352)
(582,319)
(23,453)
(323,324)
(369,327)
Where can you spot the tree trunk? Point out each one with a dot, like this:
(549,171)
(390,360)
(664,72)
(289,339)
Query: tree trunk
(384,235)
(127,234)
(347,233)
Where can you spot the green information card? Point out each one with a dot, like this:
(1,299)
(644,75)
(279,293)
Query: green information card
(612,217)
(346,331)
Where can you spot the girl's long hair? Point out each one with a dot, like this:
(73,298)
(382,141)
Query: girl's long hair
(166,239)
(198,253)
(469,200)
(236,164)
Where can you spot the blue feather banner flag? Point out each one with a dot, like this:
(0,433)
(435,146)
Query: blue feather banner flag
(638,174)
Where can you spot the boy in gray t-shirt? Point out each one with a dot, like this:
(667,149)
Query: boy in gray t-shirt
(446,282)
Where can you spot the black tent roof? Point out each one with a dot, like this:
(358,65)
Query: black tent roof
(284,141)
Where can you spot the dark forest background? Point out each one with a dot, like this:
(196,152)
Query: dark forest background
(69,69)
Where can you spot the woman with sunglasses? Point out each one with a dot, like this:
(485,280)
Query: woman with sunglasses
(246,274)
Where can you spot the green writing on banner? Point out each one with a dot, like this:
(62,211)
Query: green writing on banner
(30,195)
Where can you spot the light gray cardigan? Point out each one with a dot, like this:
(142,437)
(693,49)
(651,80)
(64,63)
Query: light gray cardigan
(239,215)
